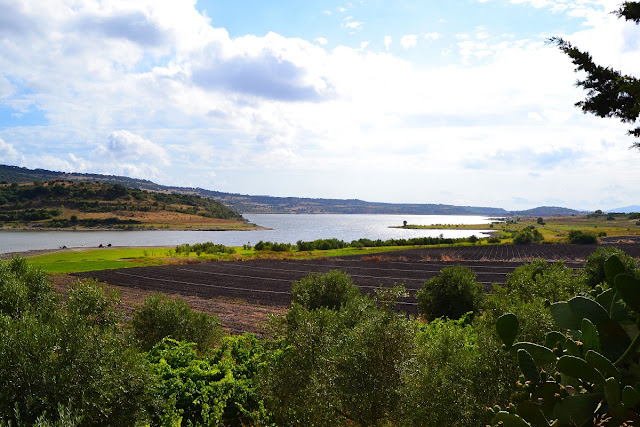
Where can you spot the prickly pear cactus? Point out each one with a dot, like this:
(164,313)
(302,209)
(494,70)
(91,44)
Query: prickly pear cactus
(589,370)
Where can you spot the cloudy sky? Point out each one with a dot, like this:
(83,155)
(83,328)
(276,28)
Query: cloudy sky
(415,101)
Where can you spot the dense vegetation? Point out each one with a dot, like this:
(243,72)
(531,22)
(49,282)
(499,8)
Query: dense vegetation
(329,244)
(46,202)
(336,358)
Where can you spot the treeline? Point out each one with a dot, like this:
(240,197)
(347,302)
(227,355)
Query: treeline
(203,248)
(329,244)
(338,357)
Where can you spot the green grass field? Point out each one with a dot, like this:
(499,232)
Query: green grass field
(74,261)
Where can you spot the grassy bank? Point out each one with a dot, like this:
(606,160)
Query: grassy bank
(78,260)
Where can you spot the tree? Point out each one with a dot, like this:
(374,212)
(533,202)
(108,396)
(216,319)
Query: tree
(452,294)
(161,317)
(330,290)
(609,92)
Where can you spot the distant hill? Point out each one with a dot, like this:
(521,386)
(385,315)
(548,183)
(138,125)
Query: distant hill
(248,204)
(626,209)
(547,211)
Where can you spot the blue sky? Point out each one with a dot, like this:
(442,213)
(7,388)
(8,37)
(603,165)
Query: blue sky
(394,101)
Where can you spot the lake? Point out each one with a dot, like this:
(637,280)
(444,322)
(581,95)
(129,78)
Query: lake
(284,228)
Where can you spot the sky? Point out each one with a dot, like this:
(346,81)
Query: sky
(407,101)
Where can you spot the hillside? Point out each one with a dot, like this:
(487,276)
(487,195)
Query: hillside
(249,204)
(62,204)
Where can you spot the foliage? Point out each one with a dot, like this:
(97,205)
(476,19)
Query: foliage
(203,248)
(456,370)
(451,294)
(73,355)
(337,367)
(582,238)
(321,244)
(545,281)
(212,389)
(330,290)
(271,246)
(527,236)
(593,360)
(609,92)
(594,266)
(160,317)
(42,202)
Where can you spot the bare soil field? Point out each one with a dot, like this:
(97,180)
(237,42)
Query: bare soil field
(243,293)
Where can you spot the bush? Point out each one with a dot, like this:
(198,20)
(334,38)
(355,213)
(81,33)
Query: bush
(271,246)
(72,355)
(582,238)
(452,294)
(457,371)
(527,236)
(161,317)
(222,380)
(330,290)
(541,280)
(594,266)
(338,367)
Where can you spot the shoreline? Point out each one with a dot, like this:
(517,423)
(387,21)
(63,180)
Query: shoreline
(13,228)
(35,252)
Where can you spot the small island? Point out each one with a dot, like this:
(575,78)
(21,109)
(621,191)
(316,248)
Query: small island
(59,204)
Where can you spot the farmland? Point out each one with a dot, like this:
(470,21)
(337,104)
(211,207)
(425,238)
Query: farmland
(268,282)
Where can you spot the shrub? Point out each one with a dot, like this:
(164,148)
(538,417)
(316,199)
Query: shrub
(161,317)
(494,239)
(457,371)
(526,236)
(594,266)
(223,381)
(271,246)
(72,355)
(452,294)
(541,280)
(338,367)
(582,238)
(330,290)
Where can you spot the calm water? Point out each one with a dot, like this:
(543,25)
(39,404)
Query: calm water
(285,229)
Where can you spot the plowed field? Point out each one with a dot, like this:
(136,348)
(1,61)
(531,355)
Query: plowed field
(268,282)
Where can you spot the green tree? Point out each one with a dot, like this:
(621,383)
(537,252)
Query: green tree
(70,354)
(544,281)
(527,235)
(330,290)
(609,92)
(161,317)
(337,367)
(594,266)
(452,294)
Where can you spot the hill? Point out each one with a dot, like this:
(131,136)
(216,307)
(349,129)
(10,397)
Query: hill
(626,209)
(249,204)
(62,204)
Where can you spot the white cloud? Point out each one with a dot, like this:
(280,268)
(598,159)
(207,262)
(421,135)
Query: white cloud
(409,41)
(180,92)
(322,41)
(9,155)
(124,145)
(350,24)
